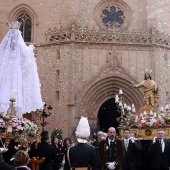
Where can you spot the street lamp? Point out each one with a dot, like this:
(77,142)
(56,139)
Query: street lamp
(45,114)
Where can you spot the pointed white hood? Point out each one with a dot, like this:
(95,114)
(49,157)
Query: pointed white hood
(83,130)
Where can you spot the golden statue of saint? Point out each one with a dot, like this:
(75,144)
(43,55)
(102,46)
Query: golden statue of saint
(151,93)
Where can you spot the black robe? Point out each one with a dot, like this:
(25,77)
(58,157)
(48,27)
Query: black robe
(81,155)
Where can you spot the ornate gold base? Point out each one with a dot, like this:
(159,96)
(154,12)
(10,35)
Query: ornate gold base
(145,134)
(22,139)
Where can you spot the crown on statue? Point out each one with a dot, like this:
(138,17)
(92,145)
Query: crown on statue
(14,25)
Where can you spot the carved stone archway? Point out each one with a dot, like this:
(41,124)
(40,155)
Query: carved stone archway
(105,89)
(106,85)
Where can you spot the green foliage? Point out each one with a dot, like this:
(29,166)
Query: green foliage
(57,133)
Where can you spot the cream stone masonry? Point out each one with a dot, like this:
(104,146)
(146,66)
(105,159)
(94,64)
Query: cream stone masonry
(81,64)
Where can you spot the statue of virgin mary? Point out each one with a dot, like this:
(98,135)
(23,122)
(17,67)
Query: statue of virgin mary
(18,71)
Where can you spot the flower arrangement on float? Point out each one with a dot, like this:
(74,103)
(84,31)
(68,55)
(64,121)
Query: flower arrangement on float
(20,126)
(152,120)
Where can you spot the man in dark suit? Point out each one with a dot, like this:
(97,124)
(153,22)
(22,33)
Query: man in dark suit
(159,151)
(81,155)
(111,152)
(47,151)
(99,138)
(4,165)
(132,150)
(139,154)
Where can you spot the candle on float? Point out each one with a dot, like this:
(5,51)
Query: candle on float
(13,94)
(133,105)
(133,110)
(120,91)
(144,113)
(151,113)
(43,103)
(167,106)
(125,106)
(161,109)
(116,100)
(120,104)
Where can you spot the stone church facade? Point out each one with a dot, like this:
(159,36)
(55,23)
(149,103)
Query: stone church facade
(87,50)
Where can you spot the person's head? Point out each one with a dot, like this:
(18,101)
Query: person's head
(111,132)
(100,135)
(105,135)
(67,141)
(160,134)
(21,158)
(126,133)
(55,140)
(147,76)
(44,136)
(133,134)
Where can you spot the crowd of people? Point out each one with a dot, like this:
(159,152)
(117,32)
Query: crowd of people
(106,151)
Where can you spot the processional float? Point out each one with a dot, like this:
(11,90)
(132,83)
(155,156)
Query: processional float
(19,89)
(150,117)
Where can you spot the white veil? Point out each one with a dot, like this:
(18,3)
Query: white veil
(18,71)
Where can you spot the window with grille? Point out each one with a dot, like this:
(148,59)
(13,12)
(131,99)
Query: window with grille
(26,25)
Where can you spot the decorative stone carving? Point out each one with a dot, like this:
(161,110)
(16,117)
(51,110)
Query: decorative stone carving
(113,15)
(78,35)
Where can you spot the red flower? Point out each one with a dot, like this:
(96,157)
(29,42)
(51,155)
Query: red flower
(132,125)
(164,125)
(140,117)
(158,120)
(155,124)
(143,125)
(147,120)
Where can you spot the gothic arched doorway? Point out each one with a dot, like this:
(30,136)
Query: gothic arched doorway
(107,115)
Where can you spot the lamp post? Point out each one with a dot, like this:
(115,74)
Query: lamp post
(45,114)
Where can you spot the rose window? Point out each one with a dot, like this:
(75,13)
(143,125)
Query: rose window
(113,15)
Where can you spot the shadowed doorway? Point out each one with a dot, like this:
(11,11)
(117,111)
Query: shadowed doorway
(107,115)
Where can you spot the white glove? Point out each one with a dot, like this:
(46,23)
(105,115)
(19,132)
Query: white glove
(3,150)
(154,139)
(132,139)
(17,147)
(111,165)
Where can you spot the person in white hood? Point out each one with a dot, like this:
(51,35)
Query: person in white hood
(82,155)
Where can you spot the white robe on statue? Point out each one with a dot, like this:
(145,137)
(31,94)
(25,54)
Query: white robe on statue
(18,71)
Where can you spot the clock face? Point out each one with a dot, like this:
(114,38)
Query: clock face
(113,15)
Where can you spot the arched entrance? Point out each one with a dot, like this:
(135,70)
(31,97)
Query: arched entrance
(107,115)
(96,93)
